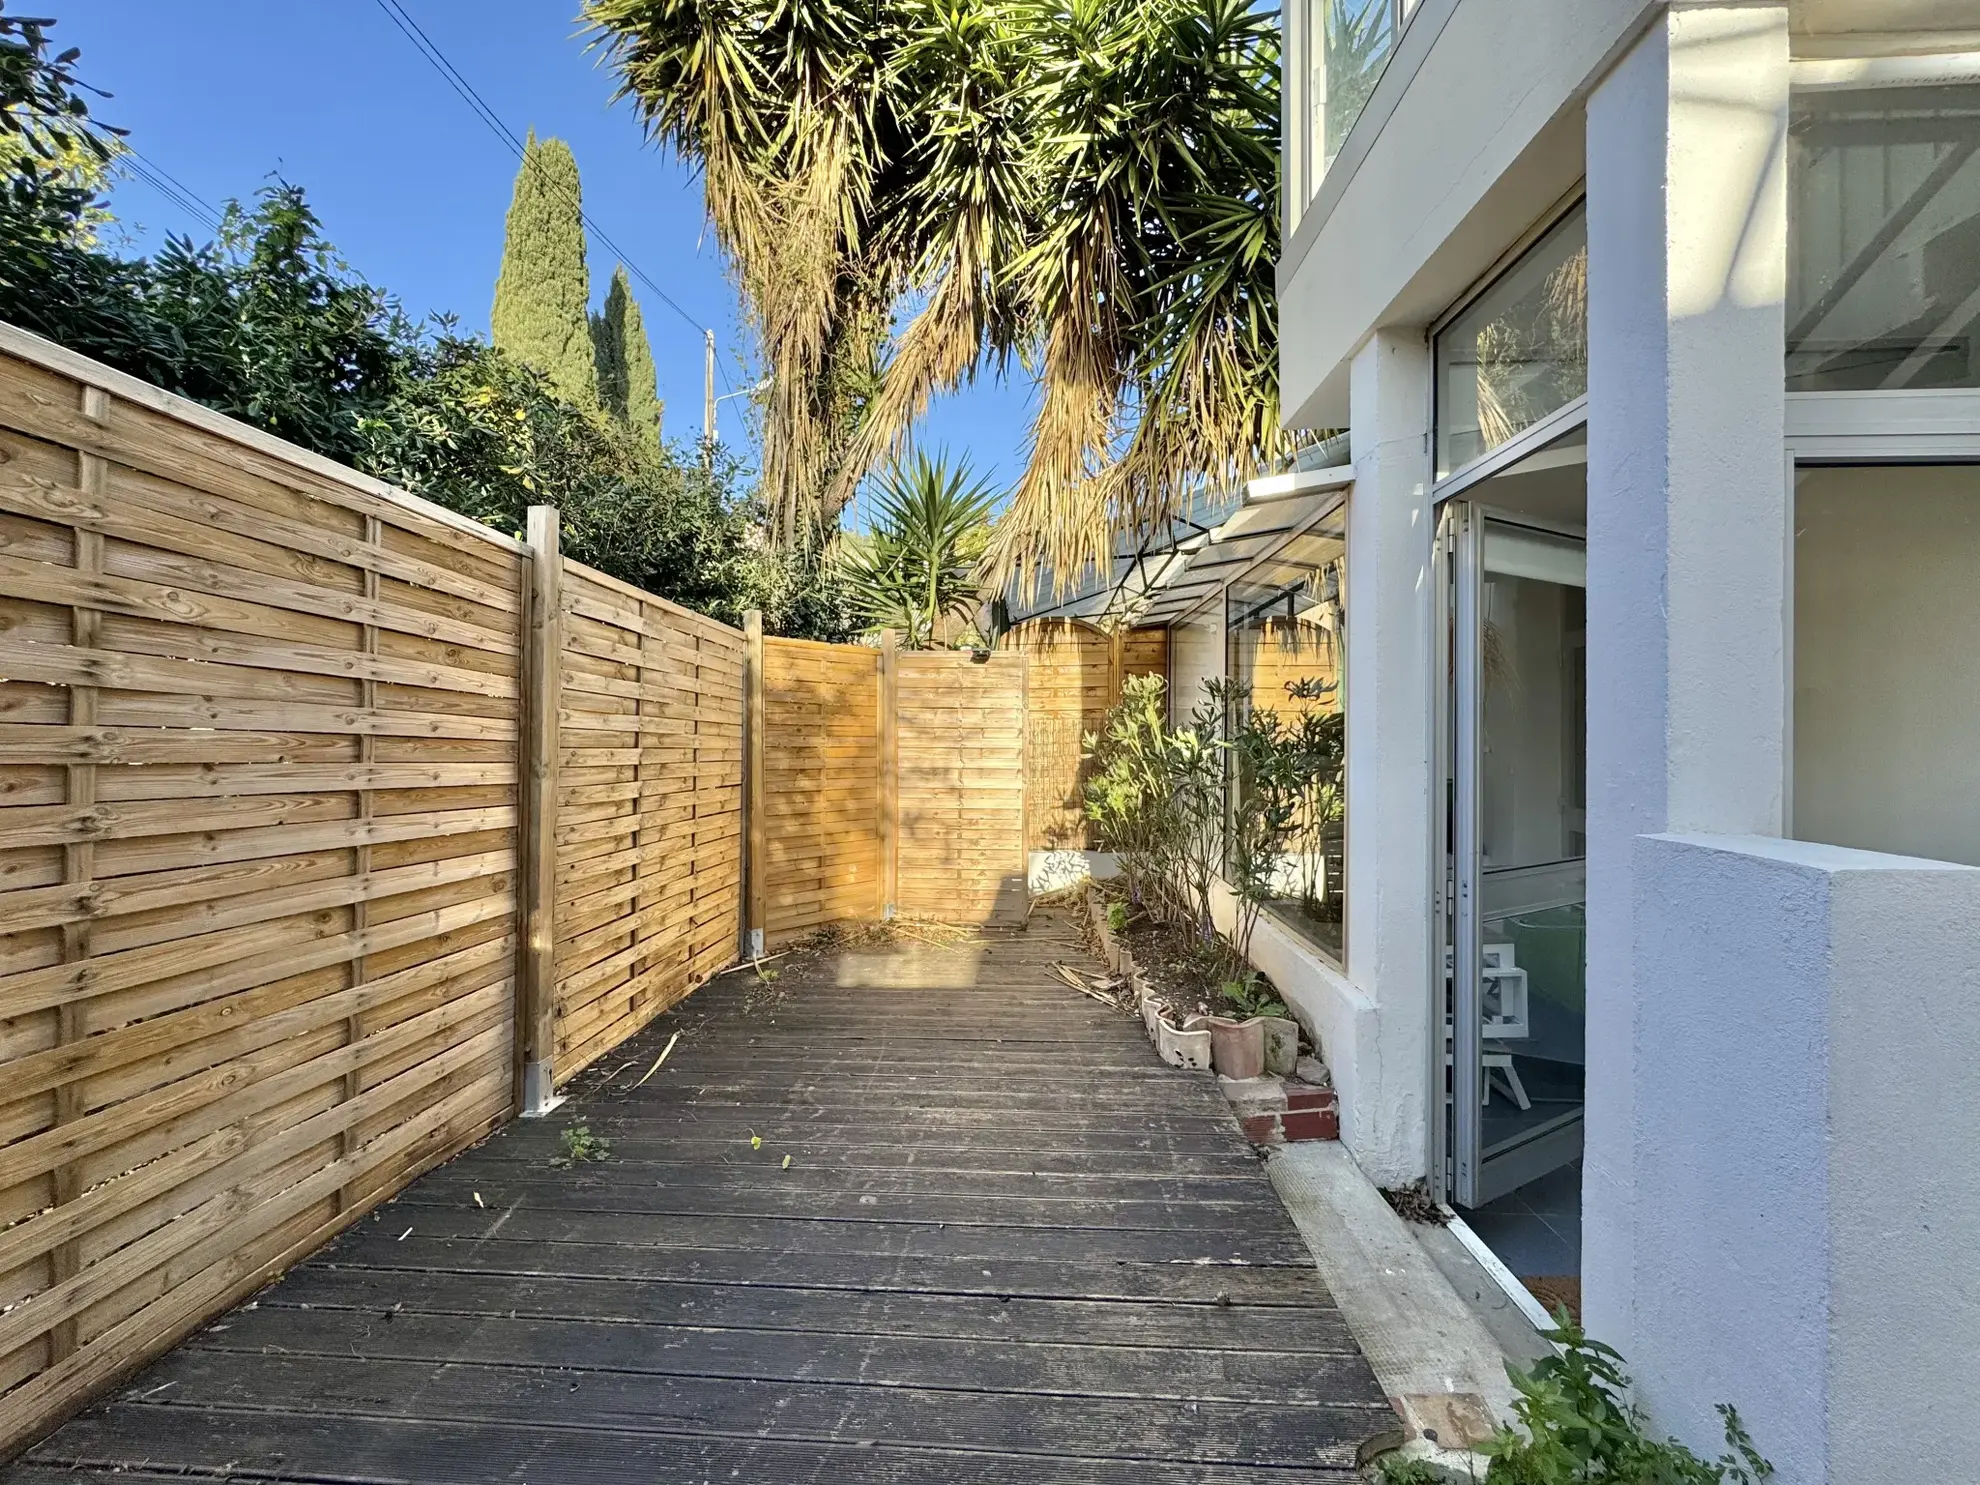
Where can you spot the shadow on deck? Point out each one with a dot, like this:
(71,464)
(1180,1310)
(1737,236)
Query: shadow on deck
(1009,1247)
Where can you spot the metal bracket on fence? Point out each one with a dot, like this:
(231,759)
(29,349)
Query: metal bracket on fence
(539,1093)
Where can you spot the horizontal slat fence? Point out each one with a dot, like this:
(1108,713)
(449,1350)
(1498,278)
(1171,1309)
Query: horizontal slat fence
(335,828)
(649,810)
(819,835)
(1073,675)
(959,731)
(258,776)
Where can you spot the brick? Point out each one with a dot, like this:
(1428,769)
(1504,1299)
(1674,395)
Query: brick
(1312,1098)
(1312,1124)
(1263,1129)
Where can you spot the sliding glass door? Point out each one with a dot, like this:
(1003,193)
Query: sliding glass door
(1512,731)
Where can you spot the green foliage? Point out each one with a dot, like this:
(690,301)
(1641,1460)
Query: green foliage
(269,326)
(1126,791)
(628,385)
(53,156)
(1250,996)
(543,296)
(1265,790)
(1578,1427)
(1155,796)
(265,324)
(915,572)
(912,194)
(582,1147)
(1117,916)
(1396,1470)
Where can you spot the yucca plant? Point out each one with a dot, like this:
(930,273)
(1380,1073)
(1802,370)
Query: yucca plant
(915,572)
(913,192)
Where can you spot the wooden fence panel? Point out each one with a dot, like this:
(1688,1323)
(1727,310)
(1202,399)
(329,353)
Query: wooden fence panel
(649,810)
(960,732)
(258,744)
(1073,675)
(821,854)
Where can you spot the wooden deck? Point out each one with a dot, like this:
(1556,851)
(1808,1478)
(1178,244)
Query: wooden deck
(1009,1247)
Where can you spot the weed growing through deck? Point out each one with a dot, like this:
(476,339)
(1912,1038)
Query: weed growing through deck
(582,1147)
(1578,1426)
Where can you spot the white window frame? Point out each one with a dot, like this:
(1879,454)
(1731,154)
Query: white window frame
(1868,428)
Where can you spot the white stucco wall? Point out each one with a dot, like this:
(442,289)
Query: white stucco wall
(1808,1168)
(1687,533)
(1382,1057)
(1485,137)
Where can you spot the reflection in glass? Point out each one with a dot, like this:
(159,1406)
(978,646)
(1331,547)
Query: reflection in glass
(1519,352)
(1532,823)
(1352,43)
(1884,277)
(1284,623)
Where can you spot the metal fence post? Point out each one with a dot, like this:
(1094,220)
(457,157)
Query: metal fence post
(754,896)
(536,983)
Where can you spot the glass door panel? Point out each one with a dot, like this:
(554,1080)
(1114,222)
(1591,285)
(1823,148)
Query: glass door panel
(1515,925)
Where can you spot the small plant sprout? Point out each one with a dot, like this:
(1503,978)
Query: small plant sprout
(1248,997)
(582,1147)
(787,1162)
(755,1140)
(1117,916)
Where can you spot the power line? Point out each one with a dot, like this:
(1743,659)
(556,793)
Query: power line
(429,49)
(170,187)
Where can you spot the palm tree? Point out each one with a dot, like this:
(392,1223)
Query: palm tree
(916,571)
(913,192)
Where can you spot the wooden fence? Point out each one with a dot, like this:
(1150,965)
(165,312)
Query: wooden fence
(1073,674)
(816,796)
(649,810)
(959,741)
(257,860)
(336,828)
(888,782)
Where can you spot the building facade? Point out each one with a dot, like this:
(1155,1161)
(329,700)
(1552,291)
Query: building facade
(1644,923)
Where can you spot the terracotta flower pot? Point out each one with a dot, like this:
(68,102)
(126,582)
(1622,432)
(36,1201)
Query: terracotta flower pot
(1237,1048)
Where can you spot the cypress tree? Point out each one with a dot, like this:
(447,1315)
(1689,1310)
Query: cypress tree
(628,385)
(543,294)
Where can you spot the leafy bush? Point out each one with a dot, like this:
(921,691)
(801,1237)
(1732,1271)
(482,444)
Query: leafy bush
(1127,788)
(268,325)
(1579,1428)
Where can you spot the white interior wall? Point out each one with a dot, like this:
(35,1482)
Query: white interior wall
(1887,659)
(1525,733)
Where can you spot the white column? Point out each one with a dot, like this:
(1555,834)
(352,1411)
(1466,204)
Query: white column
(1385,1089)
(1687,530)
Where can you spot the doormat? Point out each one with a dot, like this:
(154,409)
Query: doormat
(1553,1293)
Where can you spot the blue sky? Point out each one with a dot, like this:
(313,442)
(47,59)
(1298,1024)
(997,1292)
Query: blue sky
(412,187)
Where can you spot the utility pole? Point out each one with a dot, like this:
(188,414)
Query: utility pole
(708,393)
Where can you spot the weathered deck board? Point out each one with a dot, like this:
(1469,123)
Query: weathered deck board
(1009,1249)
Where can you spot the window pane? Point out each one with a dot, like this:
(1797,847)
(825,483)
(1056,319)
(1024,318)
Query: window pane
(1285,626)
(1887,659)
(1519,353)
(1352,40)
(1884,282)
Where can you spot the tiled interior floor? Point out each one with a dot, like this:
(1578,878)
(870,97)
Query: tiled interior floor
(1535,1230)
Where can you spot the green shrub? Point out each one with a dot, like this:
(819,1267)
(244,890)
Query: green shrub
(268,325)
(1578,1428)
